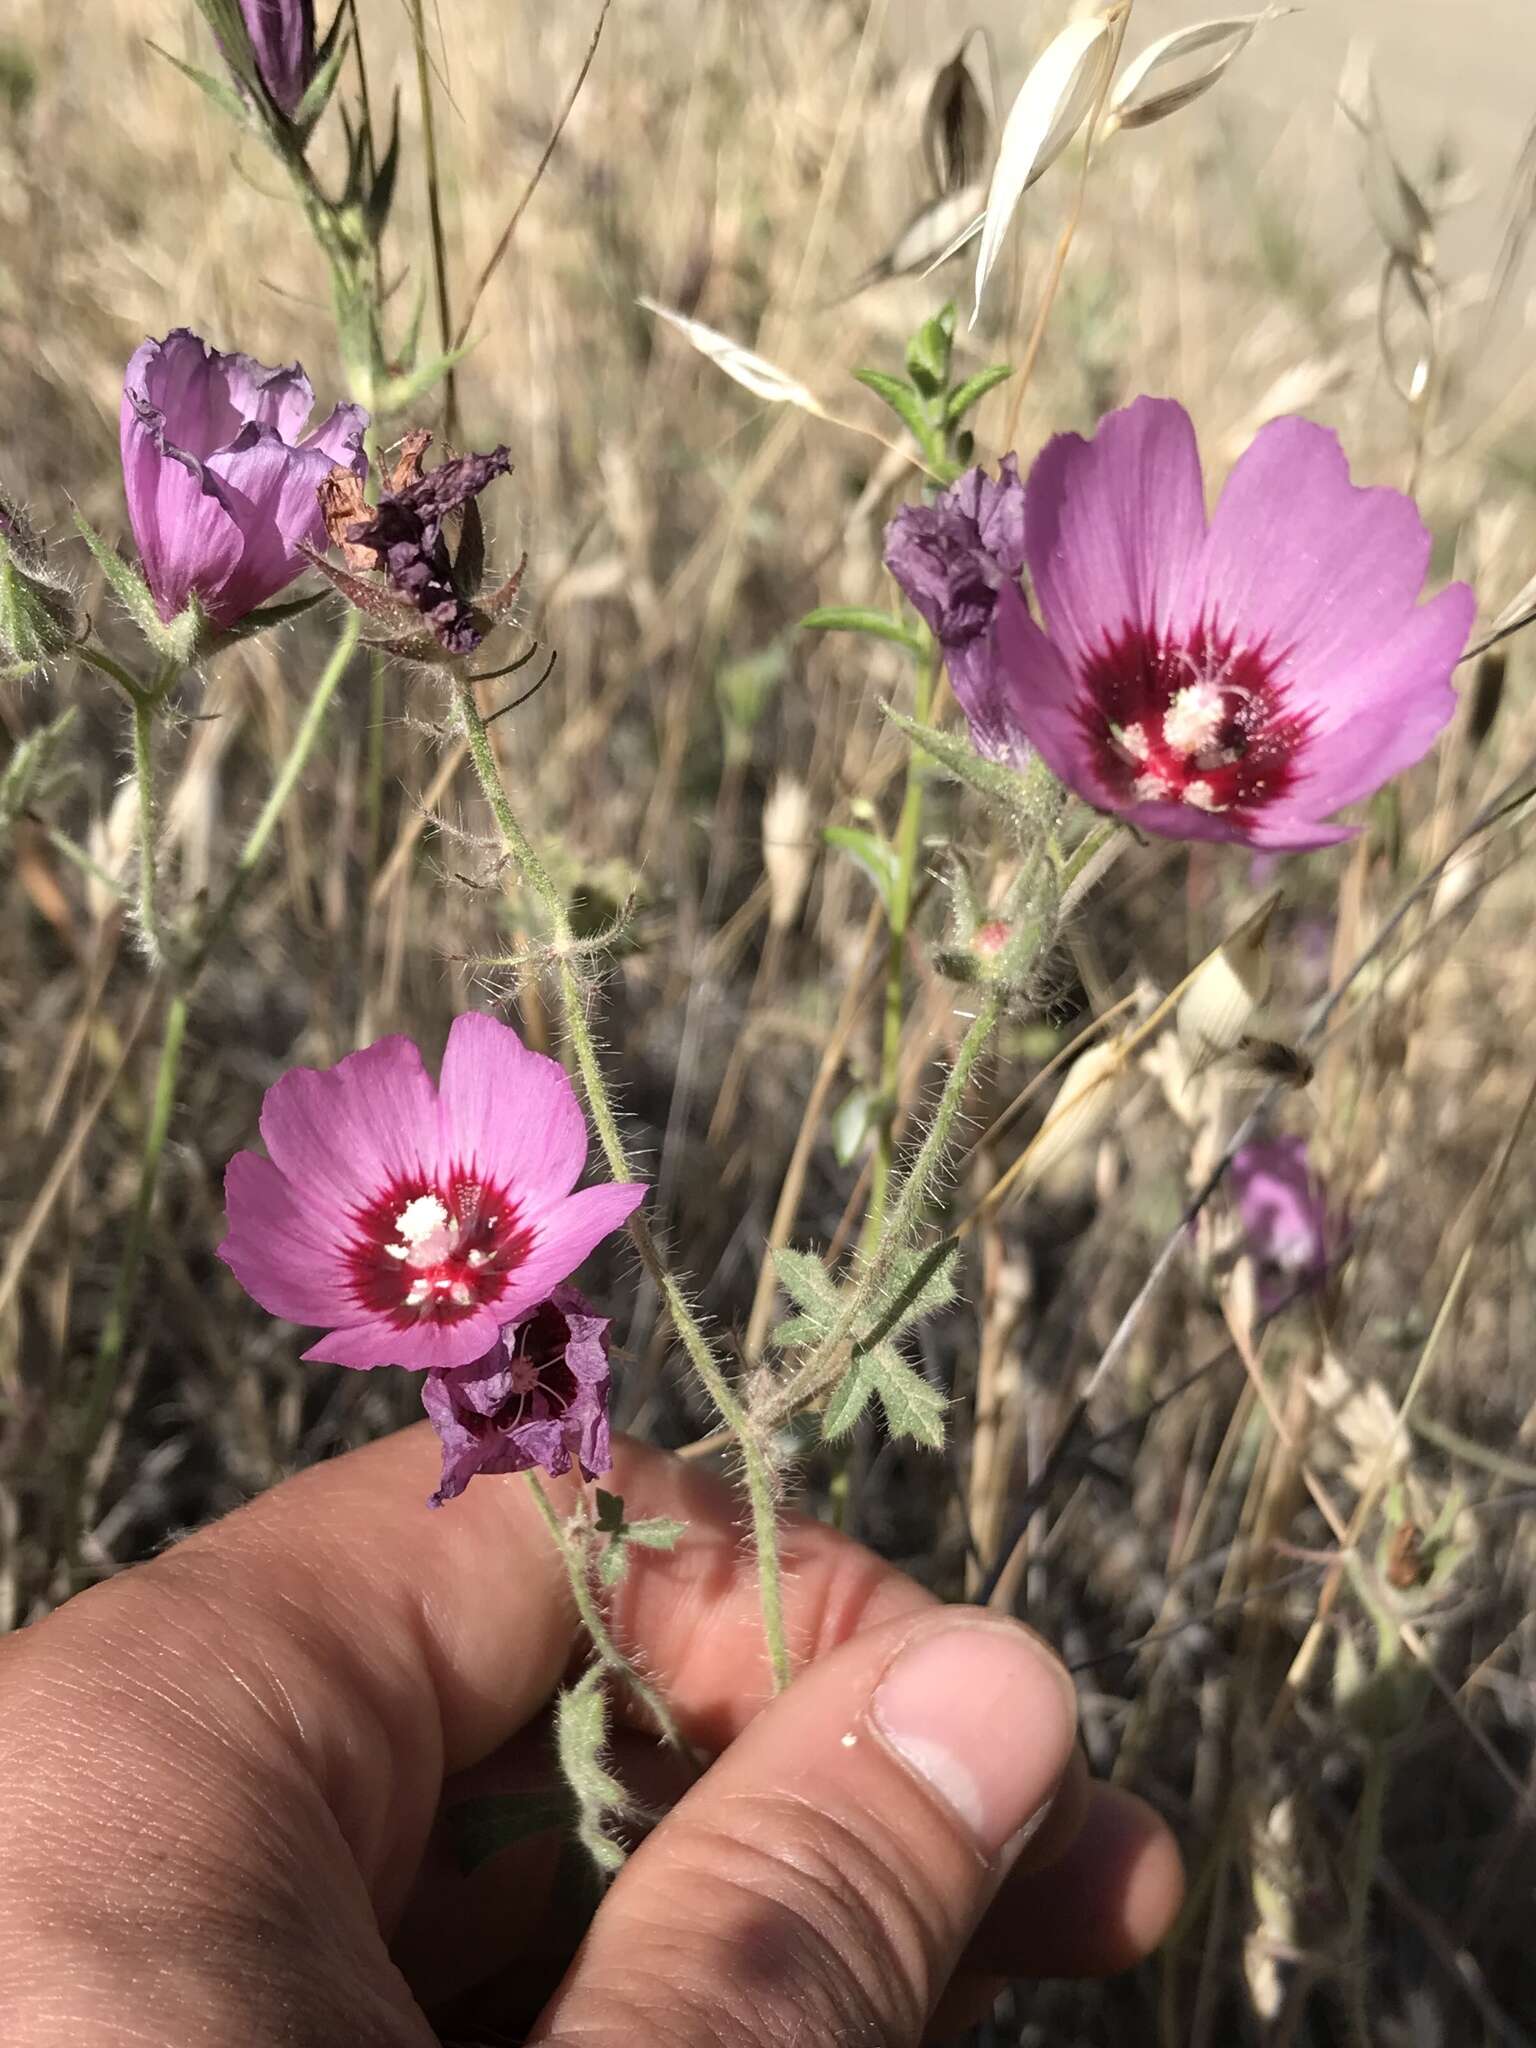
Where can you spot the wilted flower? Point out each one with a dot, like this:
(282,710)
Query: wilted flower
(404,539)
(413,1223)
(1287,1230)
(538,1397)
(952,558)
(282,36)
(222,489)
(1232,680)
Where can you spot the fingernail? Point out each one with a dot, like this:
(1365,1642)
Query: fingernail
(986,1717)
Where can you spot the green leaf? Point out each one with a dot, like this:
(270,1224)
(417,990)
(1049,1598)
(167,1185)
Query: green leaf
(797,1330)
(658,1532)
(175,642)
(912,1407)
(953,751)
(808,1284)
(853,618)
(479,1829)
(581,1738)
(259,621)
(399,394)
(381,196)
(227,21)
(847,1402)
(876,856)
(32,770)
(317,94)
(928,352)
(919,1285)
(973,390)
(907,406)
(224,97)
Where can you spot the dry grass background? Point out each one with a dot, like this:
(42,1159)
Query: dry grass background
(745,165)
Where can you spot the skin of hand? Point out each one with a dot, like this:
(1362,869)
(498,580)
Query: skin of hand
(222,1775)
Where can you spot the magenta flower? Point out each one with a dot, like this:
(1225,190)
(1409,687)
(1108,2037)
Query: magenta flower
(220,476)
(952,558)
(282,36)
(1284,1213)
(411,1222)
(1236,679)
(538,1397)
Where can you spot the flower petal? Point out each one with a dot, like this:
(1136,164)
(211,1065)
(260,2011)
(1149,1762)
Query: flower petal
(1316,569)
(185,381)
(285,1252)
(562,1238)
(1114,526)
(340,439)
(1043,699)
(273,492)
(426,1347)
(282,399)
(350,1132)
(510,1113)
(187,534)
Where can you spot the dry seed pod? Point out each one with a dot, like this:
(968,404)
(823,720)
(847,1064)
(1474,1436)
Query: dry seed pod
(789,850)
(1226,991)
(1134,104)
(755,373)
(957,129)
(1053,103)
(1085,1102)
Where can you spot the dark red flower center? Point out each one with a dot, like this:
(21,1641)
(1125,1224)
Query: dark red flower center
(1198,721)
(429,1252)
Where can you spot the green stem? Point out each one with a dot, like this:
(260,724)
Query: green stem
(1373,1799)
(827,1363)
(608,1651)
(908,838)
(435,218)
(286,781)
(761,1492)
(62,843)
(114,1330)
(145,712)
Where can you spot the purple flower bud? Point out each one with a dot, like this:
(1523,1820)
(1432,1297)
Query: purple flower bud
(282,34)
(220,476)
(952,558)
(539,1396)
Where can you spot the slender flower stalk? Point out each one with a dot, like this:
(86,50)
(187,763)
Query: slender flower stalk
(761,1491)
(609,1654)
(909,832)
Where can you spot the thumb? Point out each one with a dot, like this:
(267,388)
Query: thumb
(821,1881)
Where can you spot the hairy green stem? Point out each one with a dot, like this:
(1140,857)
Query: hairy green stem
(761,1491)
(114,1330)
(908,838)
(828,1362)
(145,712)
(435,217)
(608,1651)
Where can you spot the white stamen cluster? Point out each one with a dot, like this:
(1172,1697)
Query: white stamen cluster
(1194,718)
(426,1237)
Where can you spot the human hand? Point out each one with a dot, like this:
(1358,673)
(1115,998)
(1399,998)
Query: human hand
(221,1776)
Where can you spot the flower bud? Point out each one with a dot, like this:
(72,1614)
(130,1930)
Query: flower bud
(37,612)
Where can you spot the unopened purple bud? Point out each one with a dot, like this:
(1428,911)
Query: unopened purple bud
(282,34)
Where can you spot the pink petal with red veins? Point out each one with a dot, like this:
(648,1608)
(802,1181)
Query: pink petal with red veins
(350,1133)
(562,1237)
(509,1113)
(1045,700)
(286,1252)
(1317,570)
(426,1346)
(1113,527)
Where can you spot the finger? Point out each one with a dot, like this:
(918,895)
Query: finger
(822,1880)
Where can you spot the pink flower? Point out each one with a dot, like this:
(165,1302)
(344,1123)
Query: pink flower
(538,1397)
(1240,678)
(1284,1213)
(411,1222)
